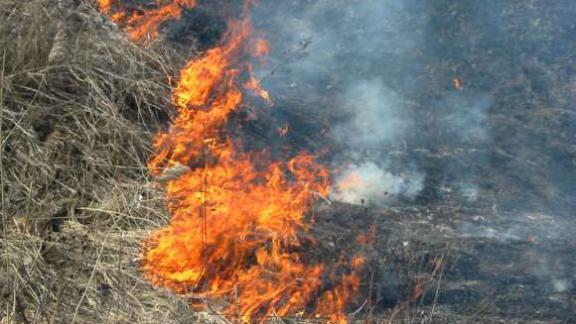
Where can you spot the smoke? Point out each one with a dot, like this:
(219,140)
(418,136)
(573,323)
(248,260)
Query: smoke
(447,103)
(468,191)
(375,120)
(350,51)
(368,56)
(462,137)
(539,258)
(373,184)
(375,115)
(328,43)
(384,72)
(463,117)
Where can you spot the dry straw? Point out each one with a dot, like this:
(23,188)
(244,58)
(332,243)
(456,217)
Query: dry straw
(79,106)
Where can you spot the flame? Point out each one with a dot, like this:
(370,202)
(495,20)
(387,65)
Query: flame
(105,6)
(253,84)
(239,220)
(145,22)
(351,181)
(261,48)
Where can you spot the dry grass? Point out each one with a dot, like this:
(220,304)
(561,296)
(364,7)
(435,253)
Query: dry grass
(75,195)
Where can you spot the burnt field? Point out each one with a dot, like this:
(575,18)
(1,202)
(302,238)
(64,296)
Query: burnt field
(448,129)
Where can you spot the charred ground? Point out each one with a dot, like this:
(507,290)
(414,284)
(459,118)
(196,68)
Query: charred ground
(76,135)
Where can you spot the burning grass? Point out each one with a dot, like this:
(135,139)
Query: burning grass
(237,216)
(80,105)
(139,25)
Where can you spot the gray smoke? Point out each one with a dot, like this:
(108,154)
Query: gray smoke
(461,103)
(376,119)
(331,48)
(376,115)
(372,183)
(384,71)
(464,117)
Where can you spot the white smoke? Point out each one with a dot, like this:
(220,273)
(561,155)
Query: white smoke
(373,184)
(376,118)
(364,57)
(375,115)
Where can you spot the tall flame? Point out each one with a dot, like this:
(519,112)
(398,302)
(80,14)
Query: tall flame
(239,220)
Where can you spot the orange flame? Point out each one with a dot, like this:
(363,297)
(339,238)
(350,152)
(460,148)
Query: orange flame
(238,219)
(145,22)
(261,48)
(351,181)
(253,84)
(105,6)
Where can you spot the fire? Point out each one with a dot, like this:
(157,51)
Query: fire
(261,48)
(239,220)
(253,84)
(145,22)
(351,181)
(105,6)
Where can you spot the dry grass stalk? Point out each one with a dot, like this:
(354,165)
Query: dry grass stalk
(80,105)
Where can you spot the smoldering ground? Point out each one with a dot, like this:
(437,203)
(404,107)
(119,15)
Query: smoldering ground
(445,103)
(502,135)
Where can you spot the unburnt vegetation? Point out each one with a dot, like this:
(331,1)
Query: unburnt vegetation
(79,107)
